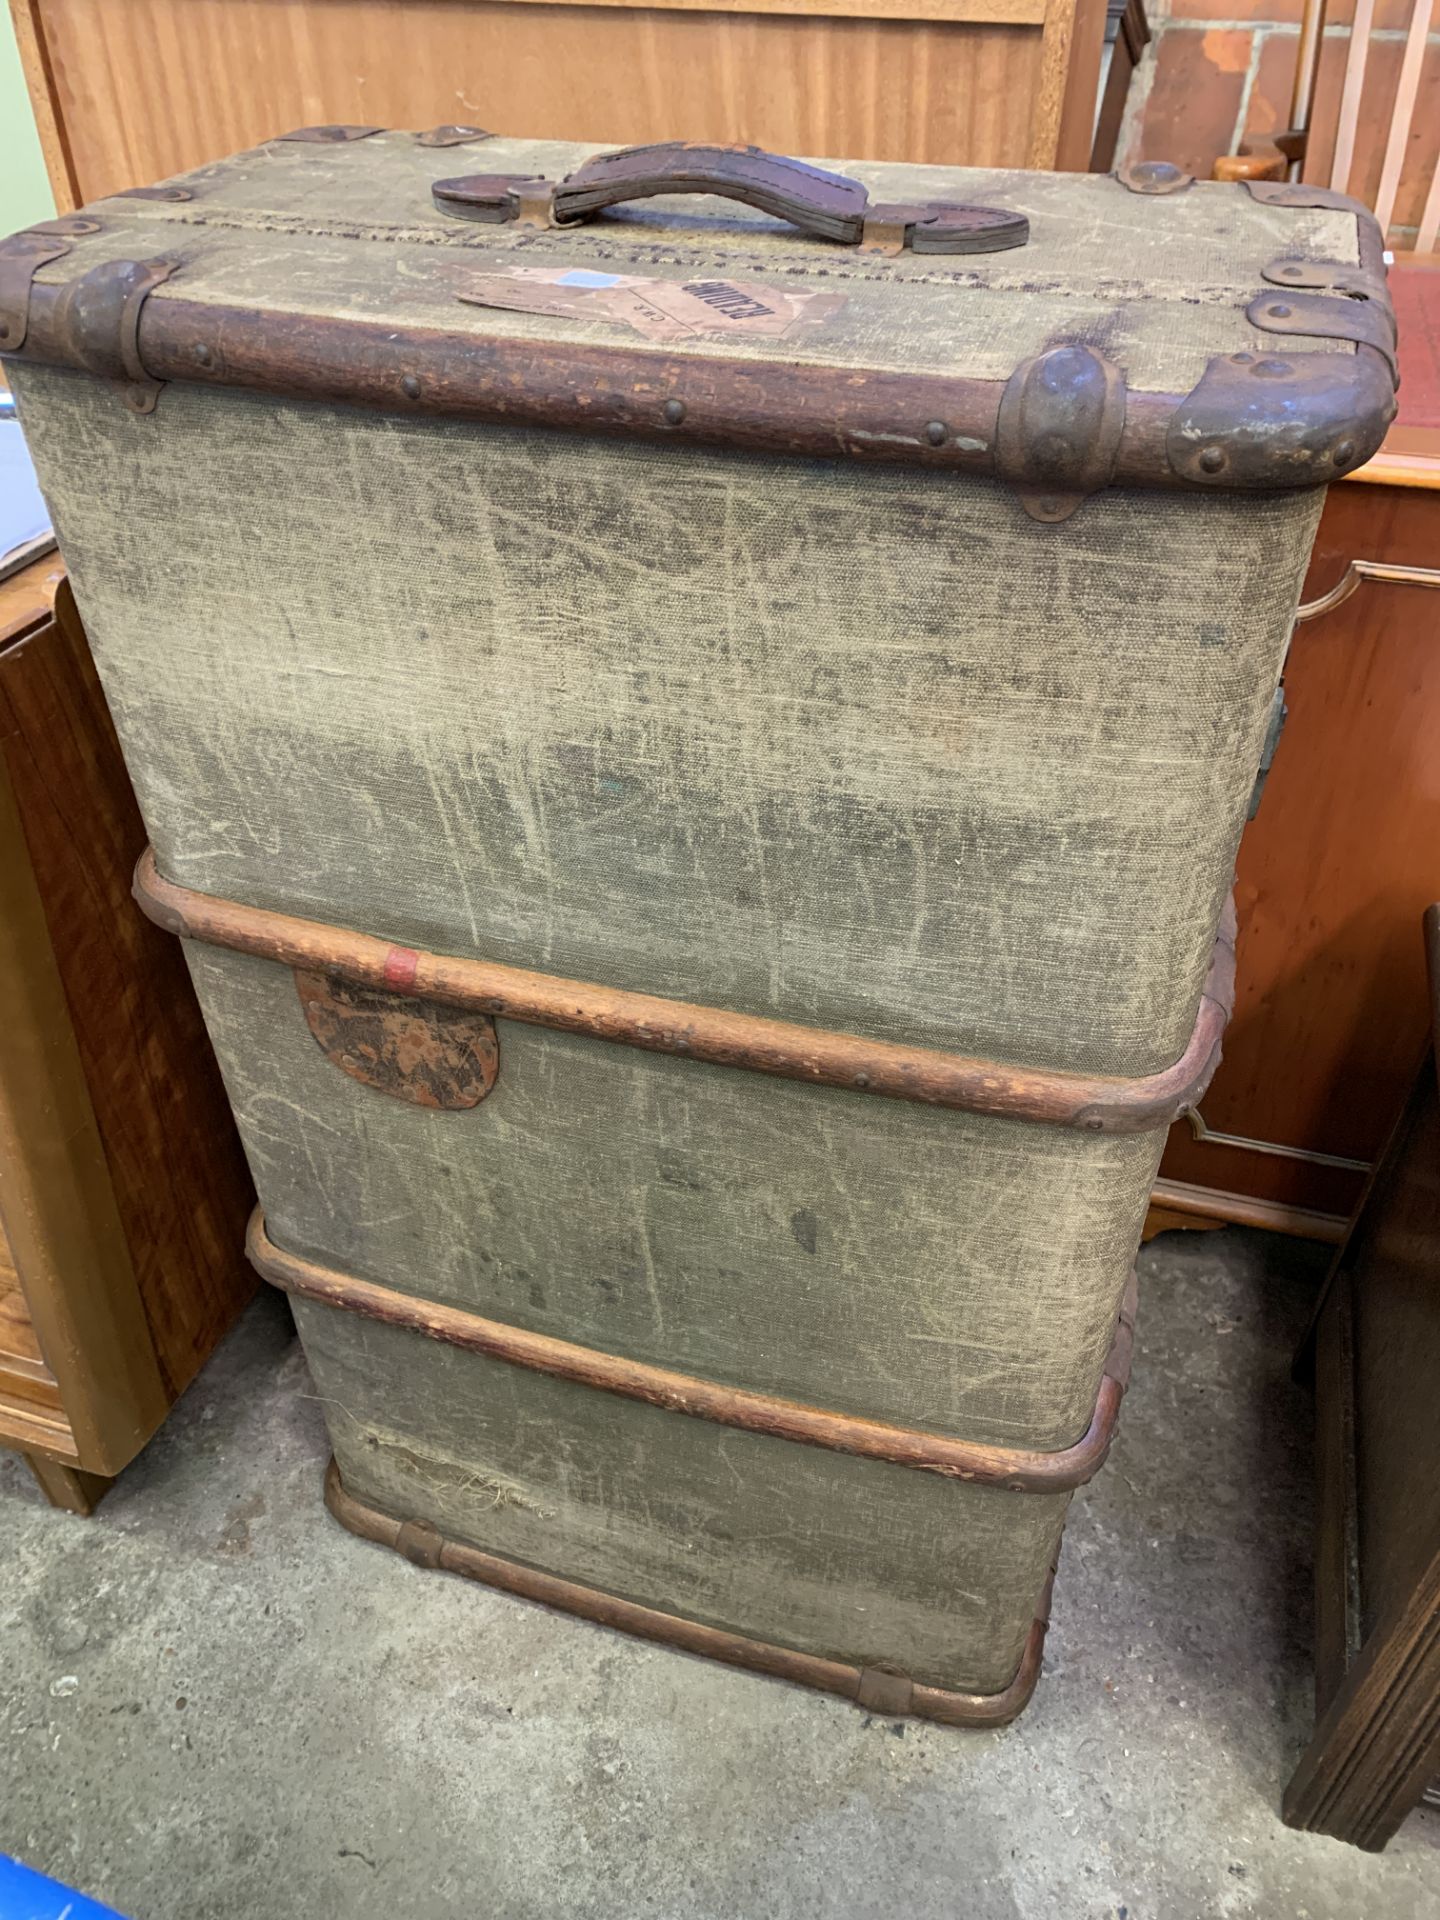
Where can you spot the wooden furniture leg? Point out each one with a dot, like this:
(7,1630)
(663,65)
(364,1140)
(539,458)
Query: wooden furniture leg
(68,1487)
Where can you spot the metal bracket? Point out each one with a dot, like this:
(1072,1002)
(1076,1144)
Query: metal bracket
(1327,276)
(498,199)
(154,193)
(1254,421)
(21,257)
(1301,195)
(1318,316)
(452,136)
(1058,433)
(328,136)
(97,317)
(1154,176)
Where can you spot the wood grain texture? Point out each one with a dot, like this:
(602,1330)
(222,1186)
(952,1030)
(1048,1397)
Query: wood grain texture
(17,1330)
(1357,54)
(1402,112)
(1377,1350)
(1174,1204)
(141,89)
(56,1197)
(179,1181)
(27,598)
(40,82)
(69,1488)
(1332,877)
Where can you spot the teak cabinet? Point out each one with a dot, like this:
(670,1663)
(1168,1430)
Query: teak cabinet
(1342,859)
(127,92)
(1376,1352)
(123,1191)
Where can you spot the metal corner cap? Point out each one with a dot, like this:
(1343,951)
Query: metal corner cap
(1275,420)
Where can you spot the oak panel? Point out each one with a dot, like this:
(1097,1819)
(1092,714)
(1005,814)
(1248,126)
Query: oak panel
(142,89)
(180,1186)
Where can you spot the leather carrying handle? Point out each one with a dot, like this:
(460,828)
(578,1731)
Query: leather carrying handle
(828,206)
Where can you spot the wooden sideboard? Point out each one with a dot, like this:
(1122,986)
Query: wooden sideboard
(1375,1350)
(127,92)
(123,1191)
(1331,1010)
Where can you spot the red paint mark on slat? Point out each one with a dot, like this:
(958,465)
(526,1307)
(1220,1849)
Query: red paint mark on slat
(401,964)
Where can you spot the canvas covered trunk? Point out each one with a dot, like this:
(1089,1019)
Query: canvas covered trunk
(699,764)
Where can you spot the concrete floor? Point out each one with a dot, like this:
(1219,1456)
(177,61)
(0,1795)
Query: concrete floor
(214,1703)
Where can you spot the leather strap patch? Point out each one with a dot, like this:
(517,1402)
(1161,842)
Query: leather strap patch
(883,1692)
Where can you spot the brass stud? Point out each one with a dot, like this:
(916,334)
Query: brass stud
(674,412)
(410,387)
(935,433)
(1344,453)
(1212,459)
(202,355)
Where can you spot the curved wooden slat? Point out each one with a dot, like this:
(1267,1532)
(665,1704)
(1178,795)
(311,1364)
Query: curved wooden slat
(718,1036)
(1015,1469)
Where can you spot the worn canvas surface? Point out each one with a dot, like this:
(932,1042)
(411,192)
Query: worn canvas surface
(861,747)
(1157,284)
(868,1255)
(800,1546)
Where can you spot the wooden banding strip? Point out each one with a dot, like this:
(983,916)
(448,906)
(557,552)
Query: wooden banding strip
(718,1036)
(1015,1469)
(680,399)
(425,1546)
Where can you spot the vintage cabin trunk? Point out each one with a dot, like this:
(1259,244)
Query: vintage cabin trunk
(698,753)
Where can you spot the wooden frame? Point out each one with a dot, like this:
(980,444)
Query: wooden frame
(121,1179)
(977,82)
(1375,1348)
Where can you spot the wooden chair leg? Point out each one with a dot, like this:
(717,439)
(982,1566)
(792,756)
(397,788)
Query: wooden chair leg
(68,1487)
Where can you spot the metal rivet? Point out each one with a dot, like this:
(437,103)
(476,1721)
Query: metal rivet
(1243,359)
(410,387)
(1273,369)
(1212,459)
(861,1080)
(203,355)
(674,411)
(1278,312)
(935,433)
(1344,453)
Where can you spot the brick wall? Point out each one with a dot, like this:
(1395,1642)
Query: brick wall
(1218,74)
